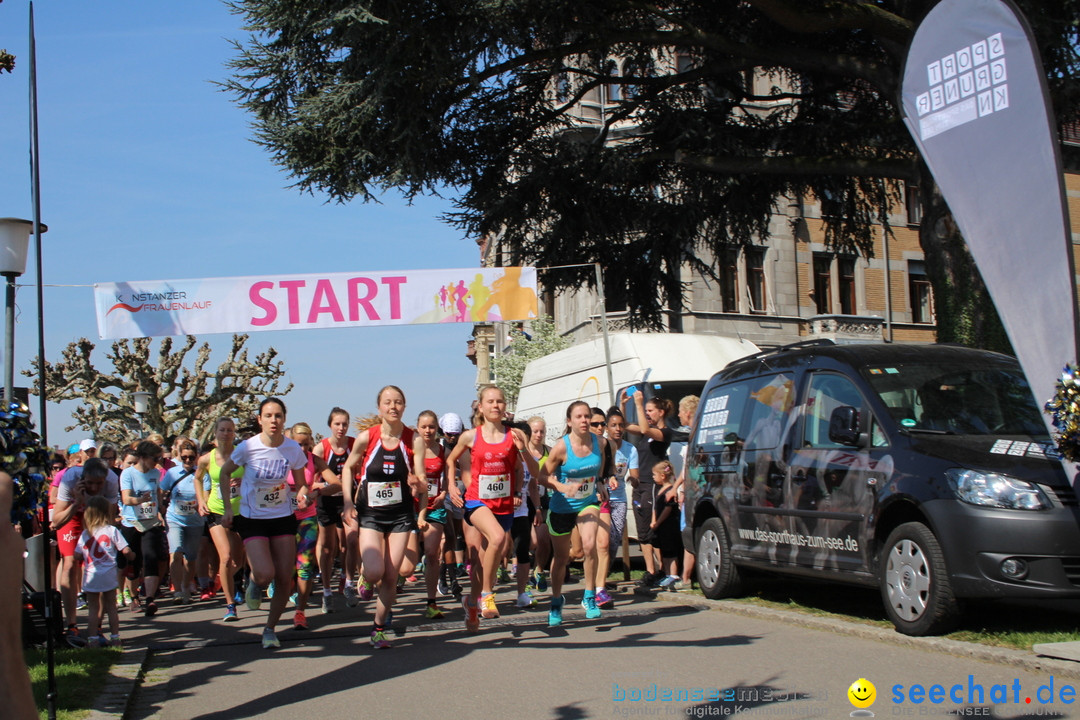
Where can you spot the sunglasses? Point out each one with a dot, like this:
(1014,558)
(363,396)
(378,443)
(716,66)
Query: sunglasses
(108,457)
(187,457)
(58,467)
(596,424)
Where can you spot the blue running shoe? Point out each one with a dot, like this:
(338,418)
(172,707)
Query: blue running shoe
(555,613)
(589,603)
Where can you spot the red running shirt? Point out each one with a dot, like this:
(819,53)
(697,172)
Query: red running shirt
(492,469)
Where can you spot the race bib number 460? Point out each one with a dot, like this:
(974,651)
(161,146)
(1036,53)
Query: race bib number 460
(493,487)
(381,494)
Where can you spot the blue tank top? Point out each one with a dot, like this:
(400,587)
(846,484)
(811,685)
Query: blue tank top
(584,469)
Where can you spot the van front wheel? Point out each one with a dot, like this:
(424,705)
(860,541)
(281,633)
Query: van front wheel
(915,583)
(716,572)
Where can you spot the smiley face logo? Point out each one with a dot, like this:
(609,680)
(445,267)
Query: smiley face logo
(862,693)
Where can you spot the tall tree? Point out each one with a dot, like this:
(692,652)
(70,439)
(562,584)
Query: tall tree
(183,401)
(482,98)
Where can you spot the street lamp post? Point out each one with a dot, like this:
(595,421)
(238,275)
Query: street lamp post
(141,400)
(14,241)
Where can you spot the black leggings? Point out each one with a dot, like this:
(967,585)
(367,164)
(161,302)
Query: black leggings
(149,547)
(521,534)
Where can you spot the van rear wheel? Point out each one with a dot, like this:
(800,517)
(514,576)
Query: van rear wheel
(915,583)
(716,572)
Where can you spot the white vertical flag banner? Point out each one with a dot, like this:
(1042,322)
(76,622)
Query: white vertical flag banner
(297,302)
(975,100)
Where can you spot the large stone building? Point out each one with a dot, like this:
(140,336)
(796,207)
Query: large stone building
(791,287)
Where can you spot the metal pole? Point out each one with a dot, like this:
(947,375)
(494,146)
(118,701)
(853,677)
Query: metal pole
(607,346)
(9,340)
(888,287)
(35,190)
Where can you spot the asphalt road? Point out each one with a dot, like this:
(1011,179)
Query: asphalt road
(709,663)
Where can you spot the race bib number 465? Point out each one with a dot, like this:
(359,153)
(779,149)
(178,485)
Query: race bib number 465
(381,494)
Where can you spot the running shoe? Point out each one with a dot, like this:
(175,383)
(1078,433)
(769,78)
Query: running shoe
(502,575)
(150,609)
(472,613)
(443,587)
(433,613)
(206,594)
(134,605)
(80,602)
(269,638)
(328,604)
(366,592)
(462,571)
(125,599)
(683,585)
(230,614)
(299,622)
(603,599)
(73,638)
(292,598)
(530,584)
(95,642)
(114,641)
(487,606)
(647,580)
(379,640)
(455,588)
(541,581)
(668,583)
(400,585)
(270,590)
(253,596)
(555,613)
(182,597)
(352,597)
(525,600)
(589,603)
(411,579)
(238,597)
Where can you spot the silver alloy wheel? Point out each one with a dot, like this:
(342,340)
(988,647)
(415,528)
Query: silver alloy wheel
(907,578)
(709,559)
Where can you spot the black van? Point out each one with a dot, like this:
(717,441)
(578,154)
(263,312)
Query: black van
(925,470)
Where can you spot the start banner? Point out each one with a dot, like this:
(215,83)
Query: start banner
(296,302)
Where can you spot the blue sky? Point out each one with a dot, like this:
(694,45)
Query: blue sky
(148,172)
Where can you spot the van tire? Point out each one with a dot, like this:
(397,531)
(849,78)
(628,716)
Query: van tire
(716,572)
(915,584)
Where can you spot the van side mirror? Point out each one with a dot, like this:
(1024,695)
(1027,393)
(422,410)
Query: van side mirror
(844,426)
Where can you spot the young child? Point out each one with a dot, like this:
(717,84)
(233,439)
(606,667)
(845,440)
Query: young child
(98,547)
(664,528)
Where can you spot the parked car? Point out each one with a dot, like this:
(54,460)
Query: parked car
(923,470)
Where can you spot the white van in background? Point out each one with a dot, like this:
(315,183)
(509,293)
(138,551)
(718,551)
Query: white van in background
(671,365)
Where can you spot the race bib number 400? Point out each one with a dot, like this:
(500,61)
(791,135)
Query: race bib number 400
(493,487)
(584,490)
(381,494)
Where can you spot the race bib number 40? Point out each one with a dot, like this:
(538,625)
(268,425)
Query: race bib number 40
(494,487)
(381,494)
(584,490)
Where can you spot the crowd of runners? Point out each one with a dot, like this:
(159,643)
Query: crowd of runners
(267,514)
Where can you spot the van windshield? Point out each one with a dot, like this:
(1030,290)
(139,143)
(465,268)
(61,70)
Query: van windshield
(977,398)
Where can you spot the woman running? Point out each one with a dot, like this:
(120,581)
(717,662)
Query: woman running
(597,426)
(576,460)
(492,492)
(185,525)
(316,475)
(334,537)
(541,538)
(230,549)
(390,458)
(266,522)
(432,518)
(626,466)
(141,522)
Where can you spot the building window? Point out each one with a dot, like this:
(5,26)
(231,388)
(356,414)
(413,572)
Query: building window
(614,90)
(846,268)
(922,298)
(823,284)
(755,279)
(913,204)
(729,280)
